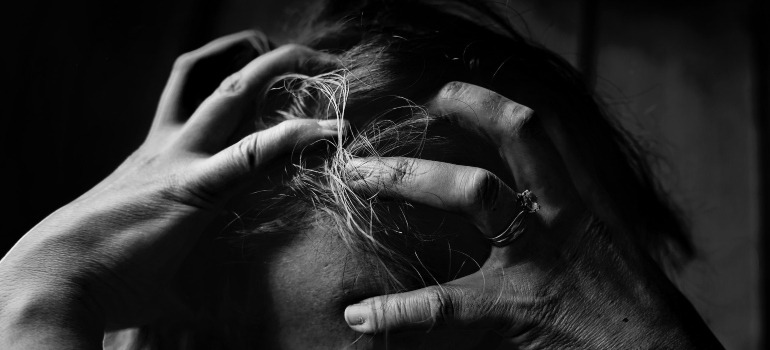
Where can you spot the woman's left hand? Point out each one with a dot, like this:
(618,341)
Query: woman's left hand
(562,281)
(106,259)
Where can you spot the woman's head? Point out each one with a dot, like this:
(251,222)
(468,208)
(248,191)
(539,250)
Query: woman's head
(283,271)
(400,53)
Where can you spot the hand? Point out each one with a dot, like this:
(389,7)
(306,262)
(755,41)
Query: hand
(567,281)
(107,258)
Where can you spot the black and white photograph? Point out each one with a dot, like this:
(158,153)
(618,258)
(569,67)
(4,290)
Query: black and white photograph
(386,174)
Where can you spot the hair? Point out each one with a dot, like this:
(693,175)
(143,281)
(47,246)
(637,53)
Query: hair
(395,56)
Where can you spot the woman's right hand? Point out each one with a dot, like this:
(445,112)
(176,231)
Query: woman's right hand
(107,259)
(566,282)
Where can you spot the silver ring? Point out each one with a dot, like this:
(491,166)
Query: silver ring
(528,202)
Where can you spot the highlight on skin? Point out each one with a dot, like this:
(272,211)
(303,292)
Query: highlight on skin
(362,224)
(396,55)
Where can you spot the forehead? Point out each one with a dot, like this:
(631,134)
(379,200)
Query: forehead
(309,281)
(305,293)
(306,283)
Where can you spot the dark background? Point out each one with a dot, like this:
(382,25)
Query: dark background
(691,77)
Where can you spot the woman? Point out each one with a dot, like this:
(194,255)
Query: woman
(576,265)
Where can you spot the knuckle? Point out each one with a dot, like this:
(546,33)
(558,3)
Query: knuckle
(293,129)
(232,84)
(293,49)
(185,62)
(441,306)
(482,190)
(246,154)
(522,119)
(491,102)
(401,168)
(246,35)
(524,111)
(307,60)
(451,89)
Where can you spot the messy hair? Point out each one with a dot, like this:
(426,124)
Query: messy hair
(395,56)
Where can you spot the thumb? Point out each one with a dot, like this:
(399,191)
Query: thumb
(429,308)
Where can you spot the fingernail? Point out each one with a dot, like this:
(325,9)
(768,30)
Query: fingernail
(334,124)
(357,315)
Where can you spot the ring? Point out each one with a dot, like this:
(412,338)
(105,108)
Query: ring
(528,203)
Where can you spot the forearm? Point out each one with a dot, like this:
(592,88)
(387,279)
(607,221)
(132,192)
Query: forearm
(48,319)
(43,301)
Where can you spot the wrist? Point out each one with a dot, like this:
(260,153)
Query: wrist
(615,296)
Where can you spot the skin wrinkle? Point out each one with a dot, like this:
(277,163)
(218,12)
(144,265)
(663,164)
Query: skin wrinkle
(231,84)
(584,292)
(400,173)
(375,70)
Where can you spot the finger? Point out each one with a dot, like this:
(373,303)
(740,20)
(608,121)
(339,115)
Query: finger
(218,116)
(476,193)
(530,155)
(235,165)
(455,305)
(197,73)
